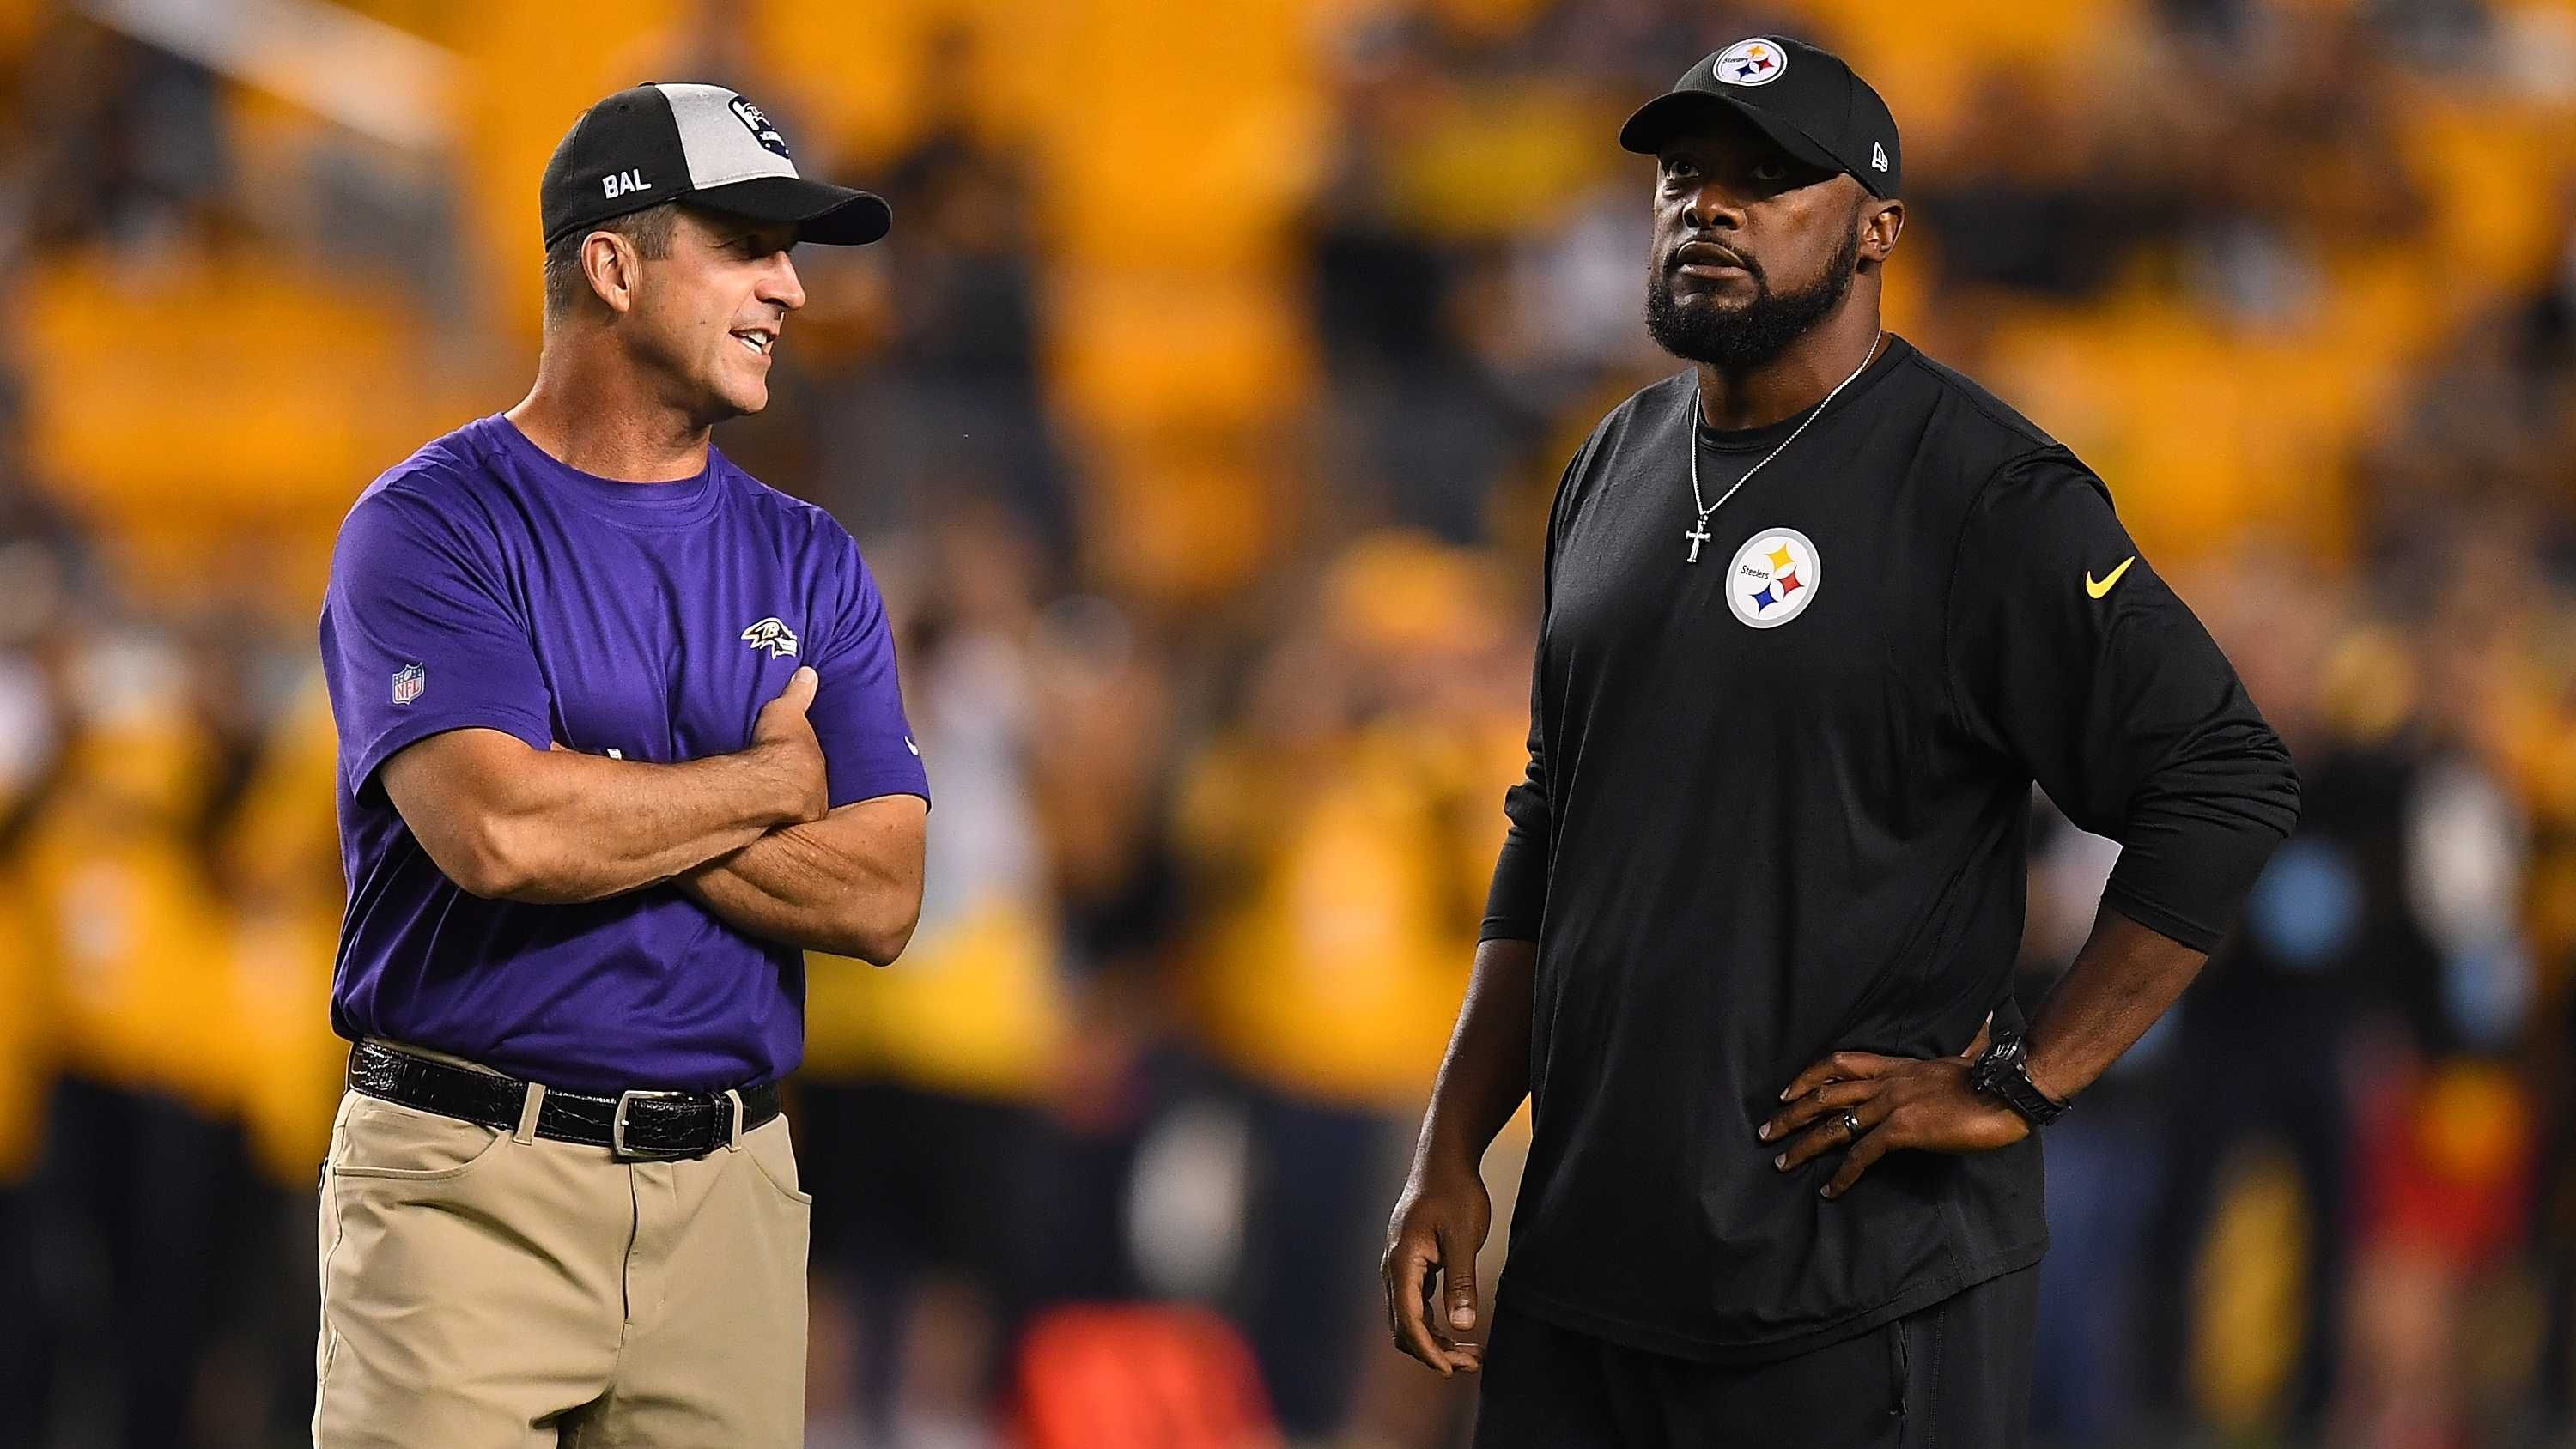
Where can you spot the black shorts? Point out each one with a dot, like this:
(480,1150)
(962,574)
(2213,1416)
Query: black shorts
(1955,1375)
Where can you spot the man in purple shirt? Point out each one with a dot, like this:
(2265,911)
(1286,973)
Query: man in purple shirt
(620,740)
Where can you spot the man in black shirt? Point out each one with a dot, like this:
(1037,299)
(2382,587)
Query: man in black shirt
(1817,614)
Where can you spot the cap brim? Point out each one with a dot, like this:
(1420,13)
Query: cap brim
(1657,120)
(832,215)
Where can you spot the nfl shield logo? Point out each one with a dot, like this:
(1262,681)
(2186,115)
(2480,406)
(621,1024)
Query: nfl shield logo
(409,681)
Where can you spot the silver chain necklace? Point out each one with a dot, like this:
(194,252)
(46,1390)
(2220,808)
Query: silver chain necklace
(1699,532)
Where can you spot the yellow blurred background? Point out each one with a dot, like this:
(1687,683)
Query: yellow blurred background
(1200,417)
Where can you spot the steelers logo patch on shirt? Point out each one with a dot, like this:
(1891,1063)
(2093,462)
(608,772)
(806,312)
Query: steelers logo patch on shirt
(1774,577)
(1755,62)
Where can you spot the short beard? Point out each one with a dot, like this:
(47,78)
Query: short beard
(1760,330)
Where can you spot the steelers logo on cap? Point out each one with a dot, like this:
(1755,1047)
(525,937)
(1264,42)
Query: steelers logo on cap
(1755,62)
(1773,577)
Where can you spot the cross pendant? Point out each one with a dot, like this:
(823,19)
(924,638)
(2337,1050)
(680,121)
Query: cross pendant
(1697,536)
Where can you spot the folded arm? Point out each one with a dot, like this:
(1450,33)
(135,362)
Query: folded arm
(552,827)
(508,822)
(848,884)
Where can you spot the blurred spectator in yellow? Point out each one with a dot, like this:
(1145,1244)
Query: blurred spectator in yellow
(278,859)
(1336,830)
(927,1085)
(30,740)
(279,855)
(1100,770)
(139,1148)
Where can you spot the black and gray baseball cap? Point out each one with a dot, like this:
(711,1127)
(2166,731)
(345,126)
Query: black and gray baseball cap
(1804,98)
(698,143)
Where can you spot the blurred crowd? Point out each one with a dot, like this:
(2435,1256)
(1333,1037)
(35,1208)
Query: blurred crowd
(1219,700)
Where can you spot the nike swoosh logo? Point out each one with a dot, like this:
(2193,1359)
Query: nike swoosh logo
(2104,587)
(916,749)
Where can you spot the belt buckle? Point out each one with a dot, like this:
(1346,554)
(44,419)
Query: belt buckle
(617,1145)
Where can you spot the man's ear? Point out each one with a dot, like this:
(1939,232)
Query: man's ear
(1881,223)
(608,265)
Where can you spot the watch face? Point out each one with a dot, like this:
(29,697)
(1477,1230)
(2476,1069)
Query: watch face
(1992,1065)
(1998,1074)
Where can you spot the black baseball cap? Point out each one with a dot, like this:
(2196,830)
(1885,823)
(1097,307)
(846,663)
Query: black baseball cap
(702,144)
(1805,99)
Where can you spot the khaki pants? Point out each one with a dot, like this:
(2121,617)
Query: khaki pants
(489,1290)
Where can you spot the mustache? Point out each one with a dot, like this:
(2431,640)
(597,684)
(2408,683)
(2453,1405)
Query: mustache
(1708,249)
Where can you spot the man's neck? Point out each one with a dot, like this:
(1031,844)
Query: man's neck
(601,415)
(1796,380)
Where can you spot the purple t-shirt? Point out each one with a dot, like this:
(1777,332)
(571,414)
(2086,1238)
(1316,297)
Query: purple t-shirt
(482,583)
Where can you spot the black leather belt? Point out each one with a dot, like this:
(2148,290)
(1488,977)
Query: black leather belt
(633,1125)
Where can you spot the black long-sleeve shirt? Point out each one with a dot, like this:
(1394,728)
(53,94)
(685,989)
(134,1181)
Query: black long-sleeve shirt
(1776,807)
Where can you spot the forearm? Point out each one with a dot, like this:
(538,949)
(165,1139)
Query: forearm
(583,827)
(2126,977)
(1484,1077)
(849,885)
(2194,837)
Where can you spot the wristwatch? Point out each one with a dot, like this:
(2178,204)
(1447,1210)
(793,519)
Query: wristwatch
(2004,1073)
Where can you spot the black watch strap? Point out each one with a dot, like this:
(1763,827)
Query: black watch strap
(2004,1073)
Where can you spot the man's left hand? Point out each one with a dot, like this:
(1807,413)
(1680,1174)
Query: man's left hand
(1898,1101)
